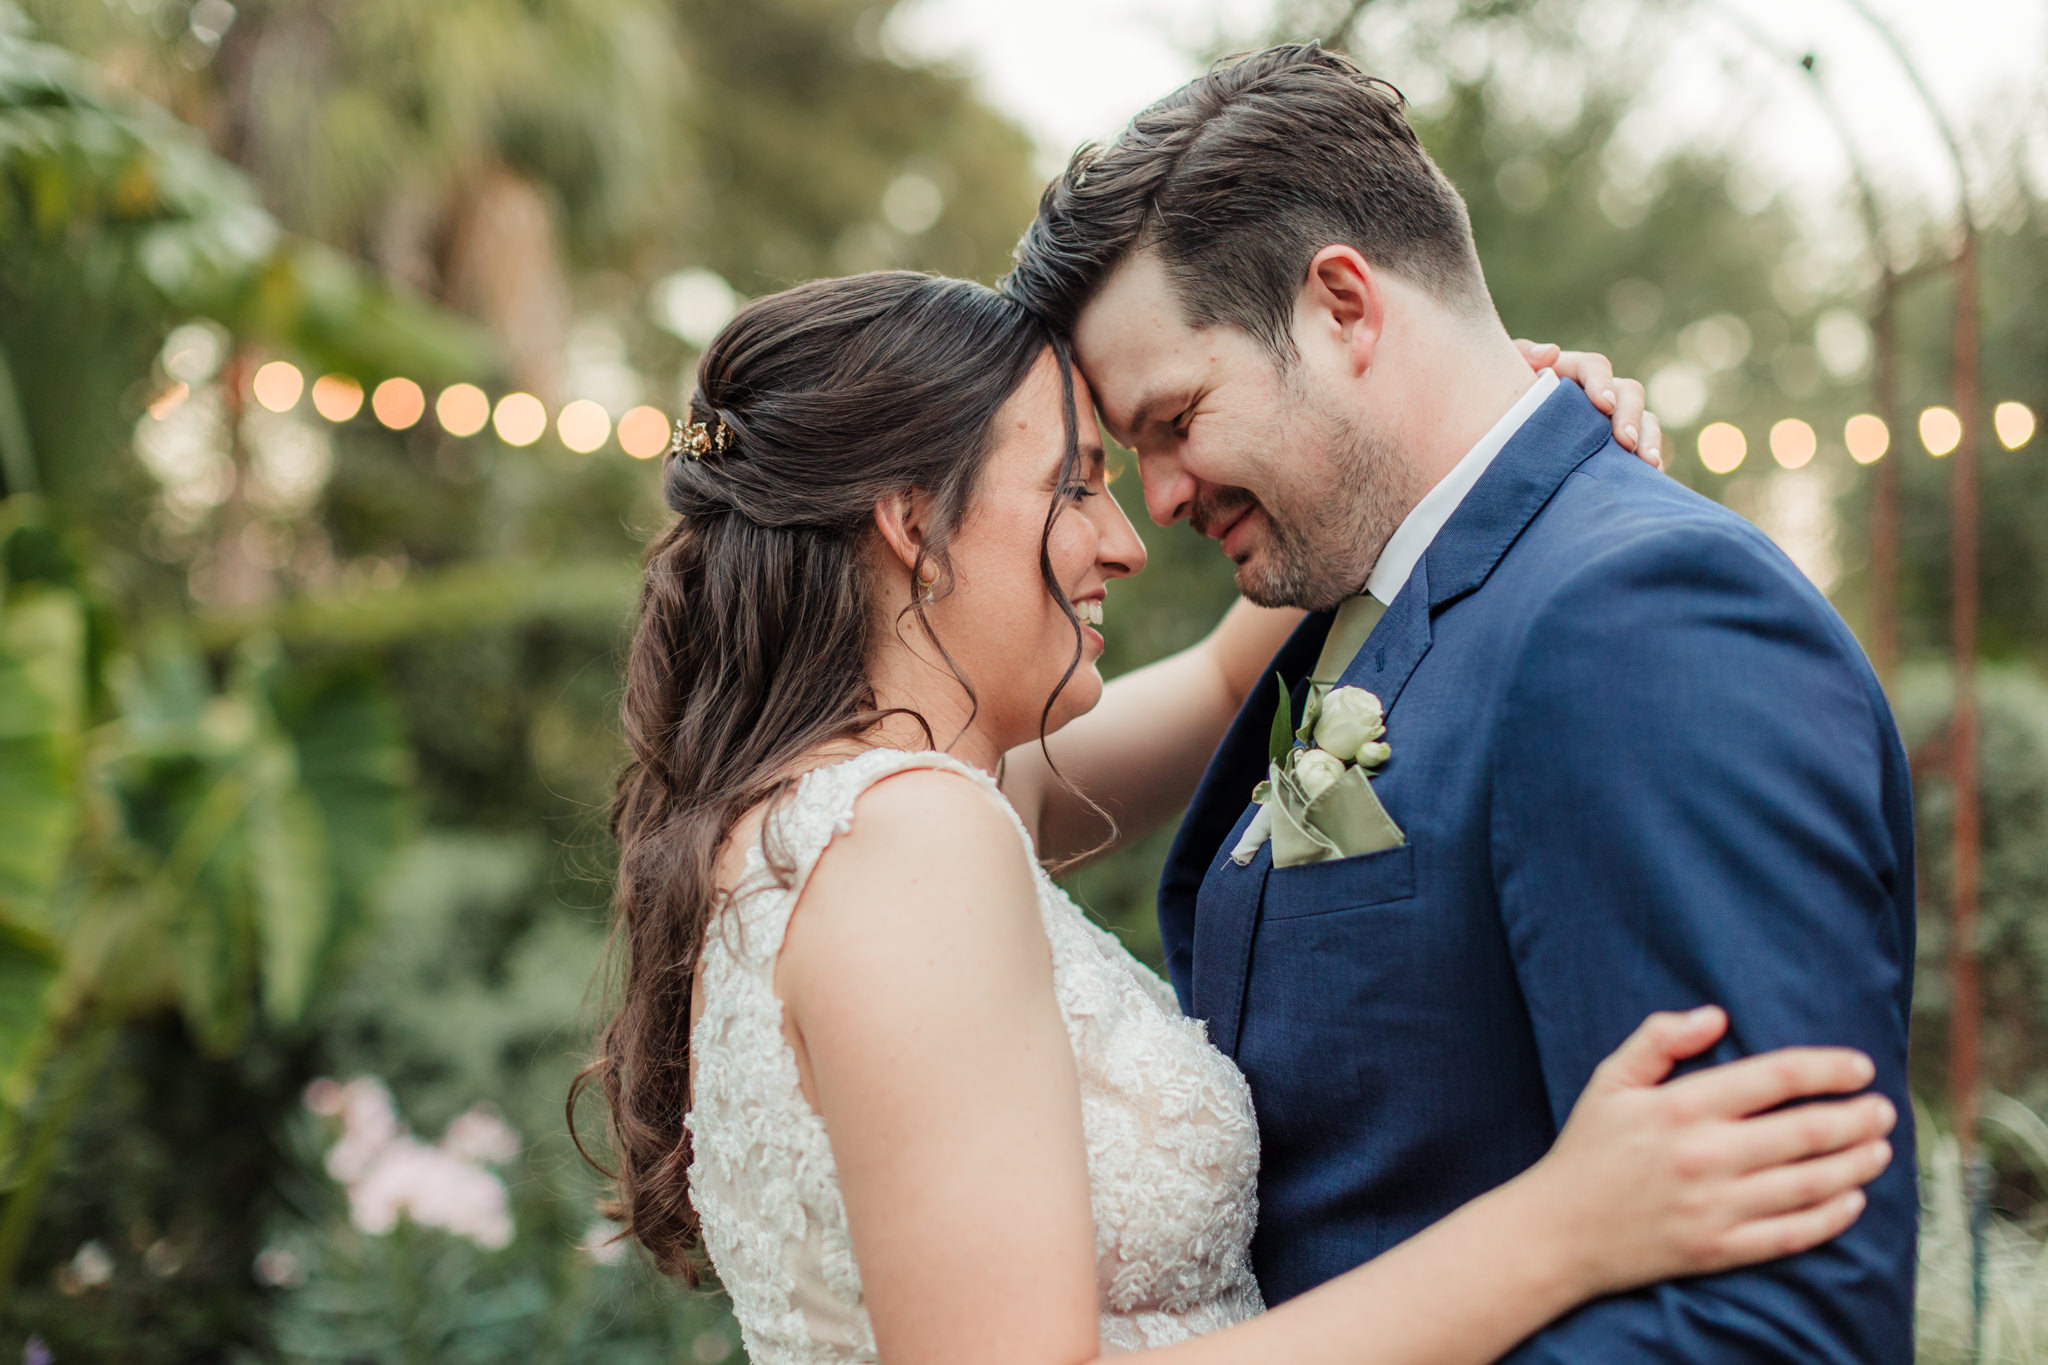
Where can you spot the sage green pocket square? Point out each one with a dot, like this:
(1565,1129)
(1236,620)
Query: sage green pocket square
(1342,821)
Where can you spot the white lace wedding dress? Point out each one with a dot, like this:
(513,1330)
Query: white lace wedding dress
(1172,1150)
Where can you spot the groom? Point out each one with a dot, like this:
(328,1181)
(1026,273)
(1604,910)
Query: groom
(1638,761)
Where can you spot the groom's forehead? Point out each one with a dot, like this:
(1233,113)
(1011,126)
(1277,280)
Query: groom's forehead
(1133,340)
(1137,305)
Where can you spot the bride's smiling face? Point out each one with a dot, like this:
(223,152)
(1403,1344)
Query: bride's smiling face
(994,615)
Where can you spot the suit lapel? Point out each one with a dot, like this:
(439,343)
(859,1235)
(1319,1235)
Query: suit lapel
(1384,663)
(1230,899)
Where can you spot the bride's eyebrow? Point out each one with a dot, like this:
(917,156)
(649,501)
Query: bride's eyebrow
(1094,460)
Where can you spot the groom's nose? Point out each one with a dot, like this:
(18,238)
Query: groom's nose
(1169,488)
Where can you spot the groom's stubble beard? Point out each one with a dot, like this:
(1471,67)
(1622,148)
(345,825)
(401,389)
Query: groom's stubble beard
(1320,548)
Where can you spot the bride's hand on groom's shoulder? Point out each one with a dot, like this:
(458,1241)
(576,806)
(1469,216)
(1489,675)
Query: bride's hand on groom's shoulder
(1635,426)
(1653,1179)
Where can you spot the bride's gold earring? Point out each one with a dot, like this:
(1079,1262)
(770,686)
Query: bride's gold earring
(927,577)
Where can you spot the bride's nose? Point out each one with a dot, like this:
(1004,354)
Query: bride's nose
(1121,552)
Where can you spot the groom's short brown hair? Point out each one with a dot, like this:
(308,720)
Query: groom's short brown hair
(1238,178)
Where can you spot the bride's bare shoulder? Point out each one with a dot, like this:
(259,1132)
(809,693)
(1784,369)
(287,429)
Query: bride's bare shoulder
(933,866)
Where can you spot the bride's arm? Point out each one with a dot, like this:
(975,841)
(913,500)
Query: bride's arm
(1141,751)
(917,978)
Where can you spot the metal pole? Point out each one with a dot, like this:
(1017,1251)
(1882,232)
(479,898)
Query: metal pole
(1978,1174)
(1966,1013)
(1965,1052)
(1884,499)
(1884,506)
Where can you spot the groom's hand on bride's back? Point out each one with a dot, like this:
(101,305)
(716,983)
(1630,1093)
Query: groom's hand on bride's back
(1655,1179)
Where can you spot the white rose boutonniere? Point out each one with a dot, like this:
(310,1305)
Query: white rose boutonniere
(1316,771)
(1351,719)
(1317,800)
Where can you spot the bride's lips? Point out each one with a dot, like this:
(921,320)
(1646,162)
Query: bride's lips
(1088,630)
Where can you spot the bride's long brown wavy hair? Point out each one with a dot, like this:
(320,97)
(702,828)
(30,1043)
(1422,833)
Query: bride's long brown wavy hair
(757,623)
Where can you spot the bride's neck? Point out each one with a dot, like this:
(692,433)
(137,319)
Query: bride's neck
(905,678)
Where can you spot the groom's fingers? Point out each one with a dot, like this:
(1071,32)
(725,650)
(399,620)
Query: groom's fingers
(1809,1130)
(1755,1084)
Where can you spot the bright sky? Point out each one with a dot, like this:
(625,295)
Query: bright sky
(1072,70)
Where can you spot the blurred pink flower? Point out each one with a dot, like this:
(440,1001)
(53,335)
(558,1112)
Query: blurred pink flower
(480,1135)
(323,1097)
(389,1173)
(369,1123)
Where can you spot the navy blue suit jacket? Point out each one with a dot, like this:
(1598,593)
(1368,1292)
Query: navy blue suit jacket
(1642,765)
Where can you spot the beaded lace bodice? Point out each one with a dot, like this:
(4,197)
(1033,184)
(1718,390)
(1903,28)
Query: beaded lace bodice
(1172,1149)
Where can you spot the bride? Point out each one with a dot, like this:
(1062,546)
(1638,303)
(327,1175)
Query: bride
(870,1058)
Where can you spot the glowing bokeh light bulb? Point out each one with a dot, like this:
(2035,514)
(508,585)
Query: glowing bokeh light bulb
(1867,438)
(1941,431)
(2014,423)
(1722,446)
(398,403)
(1793,443)
(521,419)
(462,409)
(644,432)
(337,397)
(277,386)
(583,426)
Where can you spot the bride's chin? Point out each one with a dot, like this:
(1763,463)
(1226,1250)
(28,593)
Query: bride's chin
(1080,696)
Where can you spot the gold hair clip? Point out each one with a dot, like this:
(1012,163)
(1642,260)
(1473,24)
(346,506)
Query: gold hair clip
(694,440)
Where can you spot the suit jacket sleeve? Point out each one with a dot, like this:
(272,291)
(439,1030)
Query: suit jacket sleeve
(1696,800)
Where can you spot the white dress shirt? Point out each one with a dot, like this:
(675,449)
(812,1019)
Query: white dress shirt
(1411,539)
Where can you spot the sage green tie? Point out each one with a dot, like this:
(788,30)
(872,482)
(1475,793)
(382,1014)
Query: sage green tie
(1355,619)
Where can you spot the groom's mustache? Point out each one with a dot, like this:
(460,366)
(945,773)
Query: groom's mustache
(1212,513)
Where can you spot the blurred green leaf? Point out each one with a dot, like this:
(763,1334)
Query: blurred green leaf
(294,893)
(42,694)
(28,970)
(1281,738)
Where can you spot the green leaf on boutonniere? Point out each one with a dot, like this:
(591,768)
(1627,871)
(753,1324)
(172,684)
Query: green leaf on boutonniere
(1283,724)
(1311,712)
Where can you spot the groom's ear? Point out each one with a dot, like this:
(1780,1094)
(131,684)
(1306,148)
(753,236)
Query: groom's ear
(1342,305)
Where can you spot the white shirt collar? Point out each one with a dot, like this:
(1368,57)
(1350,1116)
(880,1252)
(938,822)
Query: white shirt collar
(1411,539)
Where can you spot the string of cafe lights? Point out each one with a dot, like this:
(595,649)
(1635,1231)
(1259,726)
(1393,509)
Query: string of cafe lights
(1793,443)
(462,410)
(520,419)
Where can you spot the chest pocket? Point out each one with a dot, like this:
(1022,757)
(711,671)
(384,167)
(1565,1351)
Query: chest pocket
(1340,884)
